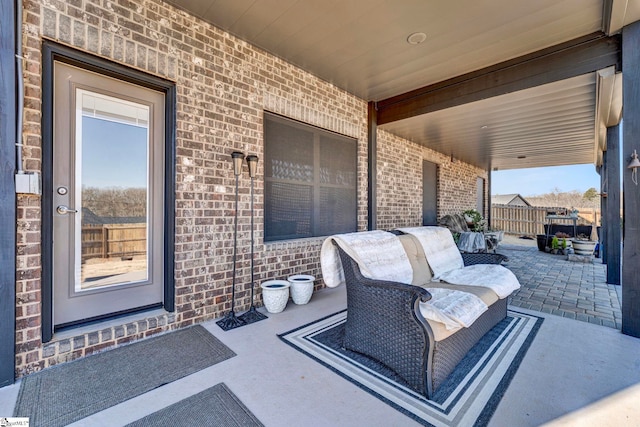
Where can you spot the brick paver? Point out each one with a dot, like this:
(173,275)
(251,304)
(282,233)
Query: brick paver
(551,284)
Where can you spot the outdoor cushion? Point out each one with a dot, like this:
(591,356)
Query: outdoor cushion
(421,270)
(496,277)
(440,250)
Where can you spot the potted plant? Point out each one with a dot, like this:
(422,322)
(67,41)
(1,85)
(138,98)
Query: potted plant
(474,219)
(582,245)
(565,242)
(555,245)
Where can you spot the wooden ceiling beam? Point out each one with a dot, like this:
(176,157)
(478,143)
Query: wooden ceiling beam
(577,57)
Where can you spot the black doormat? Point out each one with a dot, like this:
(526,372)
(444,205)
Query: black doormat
(215,406)
(468,397)
(62,394)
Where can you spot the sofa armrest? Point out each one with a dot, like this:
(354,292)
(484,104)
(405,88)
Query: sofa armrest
(483,258)
(384,323)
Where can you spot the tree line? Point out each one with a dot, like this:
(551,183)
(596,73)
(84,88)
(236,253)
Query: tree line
(115,201)
(590,199)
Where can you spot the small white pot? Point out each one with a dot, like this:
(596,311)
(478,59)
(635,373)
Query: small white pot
(301,288)
(275,294)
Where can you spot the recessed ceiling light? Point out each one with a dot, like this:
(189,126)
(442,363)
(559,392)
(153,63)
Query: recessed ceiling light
(416,38)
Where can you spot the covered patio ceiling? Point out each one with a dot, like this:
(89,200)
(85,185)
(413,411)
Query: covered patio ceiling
(362,47)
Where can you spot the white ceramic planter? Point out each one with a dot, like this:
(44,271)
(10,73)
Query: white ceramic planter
(275,294)
(301,288)
(584,247)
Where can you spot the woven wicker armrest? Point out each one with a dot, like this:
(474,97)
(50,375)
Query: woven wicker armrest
(384,323)
(483,258)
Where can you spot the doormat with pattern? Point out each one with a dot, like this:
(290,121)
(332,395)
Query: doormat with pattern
(468,397)
(215,406)
(62,394)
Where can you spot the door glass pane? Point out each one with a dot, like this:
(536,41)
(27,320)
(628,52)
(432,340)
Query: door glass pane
(112,191)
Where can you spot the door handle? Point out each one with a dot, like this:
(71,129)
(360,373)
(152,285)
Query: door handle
(63,210)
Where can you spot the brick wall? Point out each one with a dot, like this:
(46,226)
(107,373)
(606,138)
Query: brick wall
(400,182)
(457,187)
(223,87)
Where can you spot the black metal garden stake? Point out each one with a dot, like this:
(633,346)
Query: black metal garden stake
(252,315)
(230,321)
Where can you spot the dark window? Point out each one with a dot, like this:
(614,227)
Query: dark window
(310,180)
(480,195)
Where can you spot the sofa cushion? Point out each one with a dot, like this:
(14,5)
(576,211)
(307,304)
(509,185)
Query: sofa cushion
(494,276)
(421,270)
(440,250)
(440,331)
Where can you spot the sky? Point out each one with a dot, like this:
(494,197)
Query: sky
(536,181)
(113,154)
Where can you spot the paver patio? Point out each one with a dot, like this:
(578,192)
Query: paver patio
(551,284)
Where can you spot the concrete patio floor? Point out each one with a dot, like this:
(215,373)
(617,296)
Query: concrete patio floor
(575,373)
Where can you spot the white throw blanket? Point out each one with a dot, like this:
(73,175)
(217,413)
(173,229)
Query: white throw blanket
(499,279)
(453,308)
(447,264)
(441,251)
(379,255)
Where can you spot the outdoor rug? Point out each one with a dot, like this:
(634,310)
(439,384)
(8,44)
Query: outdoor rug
(215,406)
(69,392)
(468,397)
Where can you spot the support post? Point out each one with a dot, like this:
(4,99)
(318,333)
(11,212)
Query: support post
(631,192)
(604,188)
(489,203)
(372,158)
(612,222)
(8,105)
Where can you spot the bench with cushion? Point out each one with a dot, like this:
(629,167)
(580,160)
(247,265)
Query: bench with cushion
(385,321)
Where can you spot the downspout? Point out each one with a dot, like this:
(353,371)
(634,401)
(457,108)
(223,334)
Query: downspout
(372,161)
(20,87)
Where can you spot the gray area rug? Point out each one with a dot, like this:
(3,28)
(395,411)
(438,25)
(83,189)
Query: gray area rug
(62,394)
(468,397)
(216,406)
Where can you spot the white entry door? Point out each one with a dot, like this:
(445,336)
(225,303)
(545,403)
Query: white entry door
(108,174)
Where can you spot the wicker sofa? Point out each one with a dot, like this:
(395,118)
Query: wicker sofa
(384,321)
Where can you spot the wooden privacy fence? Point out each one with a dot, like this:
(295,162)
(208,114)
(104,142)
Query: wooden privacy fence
(530,220)
(113,240)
